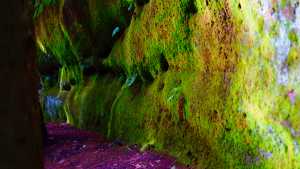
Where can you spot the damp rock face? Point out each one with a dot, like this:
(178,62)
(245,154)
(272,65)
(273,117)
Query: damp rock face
(214,83)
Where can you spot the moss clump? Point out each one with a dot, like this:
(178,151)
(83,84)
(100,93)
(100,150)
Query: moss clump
(91,102)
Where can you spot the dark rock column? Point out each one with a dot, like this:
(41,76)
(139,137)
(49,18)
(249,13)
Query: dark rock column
(20,117)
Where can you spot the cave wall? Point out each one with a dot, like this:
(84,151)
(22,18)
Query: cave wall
(214,83)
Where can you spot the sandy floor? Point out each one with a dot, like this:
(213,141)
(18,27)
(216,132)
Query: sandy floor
(71,148)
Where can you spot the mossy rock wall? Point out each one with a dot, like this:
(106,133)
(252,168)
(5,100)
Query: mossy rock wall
(78,34)
(214,83)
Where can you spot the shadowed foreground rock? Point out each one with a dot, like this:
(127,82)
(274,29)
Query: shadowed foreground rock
(20,121)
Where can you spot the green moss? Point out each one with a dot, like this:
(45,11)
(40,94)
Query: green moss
(53,39)
(76,32)
(230,105)
(92,102)
(293,37)
(40,5)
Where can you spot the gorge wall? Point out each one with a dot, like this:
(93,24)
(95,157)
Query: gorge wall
(214,83)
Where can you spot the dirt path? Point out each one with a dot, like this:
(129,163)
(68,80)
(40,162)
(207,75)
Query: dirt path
(71,148)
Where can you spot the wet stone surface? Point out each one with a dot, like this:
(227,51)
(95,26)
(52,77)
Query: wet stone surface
(68,147)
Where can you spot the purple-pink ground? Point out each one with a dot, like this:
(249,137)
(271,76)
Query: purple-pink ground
(72,148)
